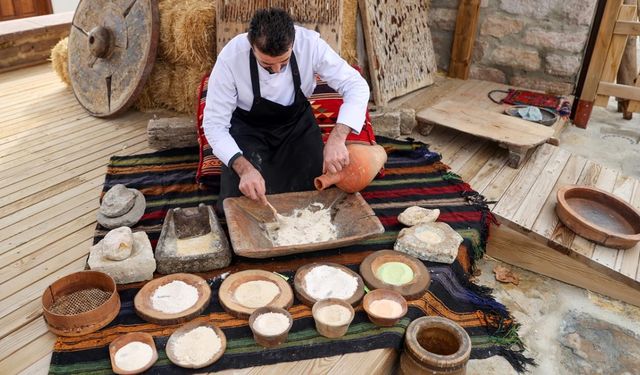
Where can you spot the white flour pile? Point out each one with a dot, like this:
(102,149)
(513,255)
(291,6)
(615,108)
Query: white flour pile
(330,282)
(197,346)
(257,293)
(271,324)
(133,356)
(308,225)
(334,315)
(174,297)
(195,245)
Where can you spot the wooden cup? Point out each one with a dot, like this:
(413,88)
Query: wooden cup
(380,294)
(269,341)
(327,329)
(121,341)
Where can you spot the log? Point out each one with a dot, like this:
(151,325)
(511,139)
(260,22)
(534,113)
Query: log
(172,132)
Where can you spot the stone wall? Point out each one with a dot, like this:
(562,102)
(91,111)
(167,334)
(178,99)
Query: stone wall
(534,44)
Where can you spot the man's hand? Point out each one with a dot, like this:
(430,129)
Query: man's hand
(336,155)
(251,182)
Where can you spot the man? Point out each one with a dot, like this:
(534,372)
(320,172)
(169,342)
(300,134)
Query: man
(257,118)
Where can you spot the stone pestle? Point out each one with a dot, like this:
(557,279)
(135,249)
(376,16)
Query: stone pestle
(365,161)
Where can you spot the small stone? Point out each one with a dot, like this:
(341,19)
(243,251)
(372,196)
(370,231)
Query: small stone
(128,219)
(407,120)
(487,74)
(415,215)
(386,123)
(118,244)
(434,242)
(563,65)
(532,9)
(442,19)
(500,26)
(572,41)
(527,59)
(117,201)
(139,266)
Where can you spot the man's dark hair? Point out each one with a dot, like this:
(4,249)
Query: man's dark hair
(271,31)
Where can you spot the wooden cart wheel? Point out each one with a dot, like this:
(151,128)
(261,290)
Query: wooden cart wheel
(112,47)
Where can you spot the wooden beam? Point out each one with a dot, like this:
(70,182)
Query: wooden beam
(615,53)
(627,28)
(464,38)
(620,91)
(520,250)
(594,72)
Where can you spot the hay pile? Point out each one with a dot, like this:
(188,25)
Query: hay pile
(186,53)
(60,60)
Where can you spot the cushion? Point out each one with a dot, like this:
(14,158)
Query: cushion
(325,104)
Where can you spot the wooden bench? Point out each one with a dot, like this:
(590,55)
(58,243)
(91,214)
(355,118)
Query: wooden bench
(517,135)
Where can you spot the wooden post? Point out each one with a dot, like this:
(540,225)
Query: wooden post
(594,72)
(464,38)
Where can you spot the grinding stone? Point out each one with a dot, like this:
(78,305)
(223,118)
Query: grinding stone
(130,218)
(117,201)
(434,242)
(118,244)
(139,266)
(415,215)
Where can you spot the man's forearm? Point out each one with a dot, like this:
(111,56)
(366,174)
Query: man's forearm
(339,133)
(242,166)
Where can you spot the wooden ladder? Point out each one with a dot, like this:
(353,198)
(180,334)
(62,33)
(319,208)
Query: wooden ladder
(619,21)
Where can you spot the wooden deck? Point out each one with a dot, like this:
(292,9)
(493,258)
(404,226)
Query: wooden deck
(53,159)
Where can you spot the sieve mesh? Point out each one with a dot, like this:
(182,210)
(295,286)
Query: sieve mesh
(79,301)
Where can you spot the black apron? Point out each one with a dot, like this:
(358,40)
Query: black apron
(283,143)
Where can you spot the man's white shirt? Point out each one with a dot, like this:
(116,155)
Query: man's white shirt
(230,86)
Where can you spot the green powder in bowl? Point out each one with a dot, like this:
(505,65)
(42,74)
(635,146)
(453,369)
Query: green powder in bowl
(395,273)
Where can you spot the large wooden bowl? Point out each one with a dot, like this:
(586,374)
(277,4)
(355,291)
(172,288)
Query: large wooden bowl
(144,306)
(226,293)
(599,216)
(411,290)
(300,286)
(85,322)
(354,219)
(121,341)
(170,348)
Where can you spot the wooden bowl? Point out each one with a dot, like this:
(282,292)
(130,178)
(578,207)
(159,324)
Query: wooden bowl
(85,322)
(380,294)
(170,348)
(300,286)
(412,290)
(270,341)
(327,329)
(599,216)
(144,306)
(226,293)
(123,340)
(354,219)
(433,344)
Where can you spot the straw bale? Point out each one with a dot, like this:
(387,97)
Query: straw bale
(173,87)
(60,60)
(349,34)
(188,32)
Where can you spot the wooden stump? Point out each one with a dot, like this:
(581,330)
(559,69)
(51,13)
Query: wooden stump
(172,132)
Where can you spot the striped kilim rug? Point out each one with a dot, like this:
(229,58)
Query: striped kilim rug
(413,176)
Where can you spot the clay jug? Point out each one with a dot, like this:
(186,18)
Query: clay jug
(365,161)
(435,346)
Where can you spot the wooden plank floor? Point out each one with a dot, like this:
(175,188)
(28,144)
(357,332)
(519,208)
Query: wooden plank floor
(524,199)
(53,159)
